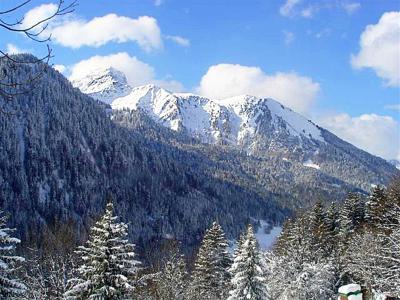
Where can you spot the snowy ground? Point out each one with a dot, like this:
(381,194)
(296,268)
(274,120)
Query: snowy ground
(266,236)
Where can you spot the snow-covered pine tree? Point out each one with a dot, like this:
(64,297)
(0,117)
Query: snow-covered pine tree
(352,215)
(319,233)
(47,276)
(248,271)
(108,262)
(283,242)
(10,286)
(375,206)
(211,277)
(173,279)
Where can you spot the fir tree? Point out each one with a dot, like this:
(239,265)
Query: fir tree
(10,286)
(248,271)
(319,233)
(173,279)
(211,275)
(108,262)
(375,207)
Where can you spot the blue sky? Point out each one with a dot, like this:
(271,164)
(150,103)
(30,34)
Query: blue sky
(297,51)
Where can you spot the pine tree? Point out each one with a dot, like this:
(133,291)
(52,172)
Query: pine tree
(173,279)
(319,233)
(283,241)
(352,215)
(248,271)
(108,262)
(375,207)
(10,286)
(211,275)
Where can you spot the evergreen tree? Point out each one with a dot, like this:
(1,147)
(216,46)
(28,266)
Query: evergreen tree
(210,279)
(108,262)
(319,233)
(10,286)
(283,241)
(375,207)
(352,215)
(173,279)
(248,271)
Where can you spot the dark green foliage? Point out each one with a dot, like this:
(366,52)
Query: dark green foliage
(210,278)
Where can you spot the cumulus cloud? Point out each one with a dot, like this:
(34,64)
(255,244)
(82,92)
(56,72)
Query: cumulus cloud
(227,80)
(109,28)
(179,40)
(379,135)
(71,31)
(136,71)
(36,14)
(379,49)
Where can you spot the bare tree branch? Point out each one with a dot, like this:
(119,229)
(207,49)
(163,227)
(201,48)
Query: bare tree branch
(8,88)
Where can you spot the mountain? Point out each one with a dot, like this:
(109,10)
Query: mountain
(104,84)
(395,162)
(261,127)
(62,154)
(234,121)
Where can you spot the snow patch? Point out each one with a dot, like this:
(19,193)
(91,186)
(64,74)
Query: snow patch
(309,163)
(267,235)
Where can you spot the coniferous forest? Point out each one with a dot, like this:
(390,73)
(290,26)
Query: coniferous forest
(319,250)
(164,150)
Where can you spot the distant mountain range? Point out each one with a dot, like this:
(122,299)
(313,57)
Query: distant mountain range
(172,162)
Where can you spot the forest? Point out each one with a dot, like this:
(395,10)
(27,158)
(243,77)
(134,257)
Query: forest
(320,249)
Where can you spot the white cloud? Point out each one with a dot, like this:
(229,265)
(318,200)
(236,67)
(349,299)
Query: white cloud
(380,49)
(136,71)
(109,28)
(71,31)
(13,49)
(308,9)
(351,7)
(288,9)
(379,135)
(37,14)
(288,37)
(393,107)
(60,68)
(227,80)
(179,40)
(170,85)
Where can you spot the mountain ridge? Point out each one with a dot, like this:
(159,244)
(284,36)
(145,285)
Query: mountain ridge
(262,127)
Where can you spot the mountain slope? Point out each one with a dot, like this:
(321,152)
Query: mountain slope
(61,155)
(260,127)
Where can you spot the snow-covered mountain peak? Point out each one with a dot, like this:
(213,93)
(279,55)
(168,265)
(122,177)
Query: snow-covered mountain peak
(235,120)
(250,108)
(103,84)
